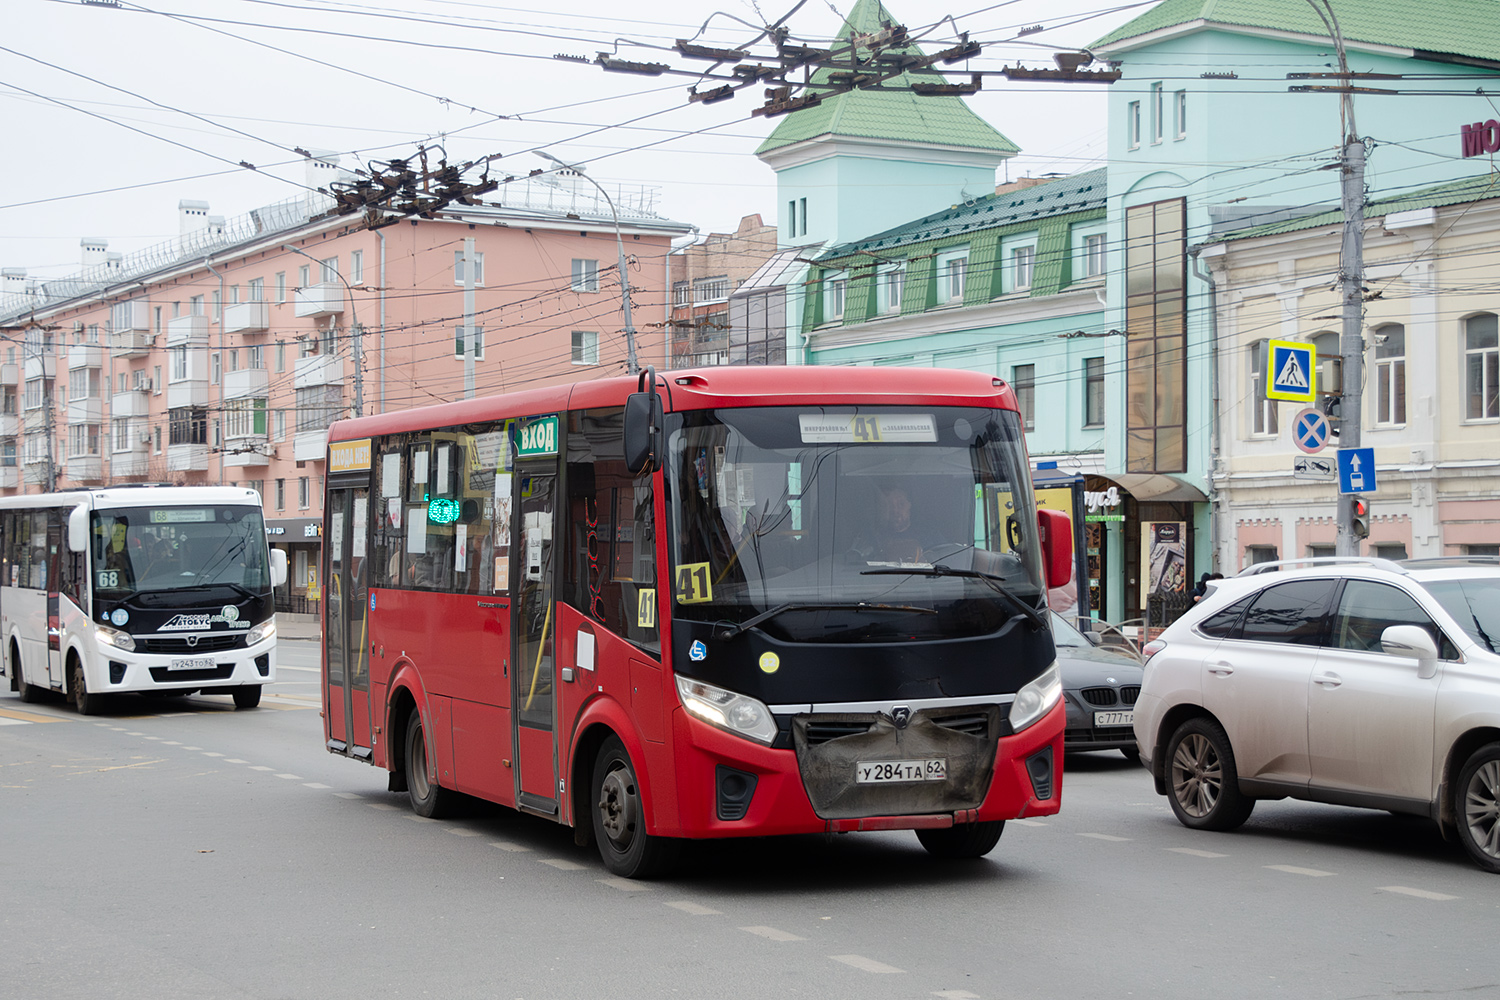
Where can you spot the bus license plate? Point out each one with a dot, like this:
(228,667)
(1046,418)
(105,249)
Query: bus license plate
(879,772)
(192,663)
(1114,718)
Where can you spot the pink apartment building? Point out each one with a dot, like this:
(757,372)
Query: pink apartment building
(224,355)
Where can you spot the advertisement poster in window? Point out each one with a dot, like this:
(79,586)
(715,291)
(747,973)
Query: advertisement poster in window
(1164,553)
(1067,599)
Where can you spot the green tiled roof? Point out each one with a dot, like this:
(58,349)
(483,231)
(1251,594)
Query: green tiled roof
(1076,193)
(888,114)
(1480,188)
(1450,27)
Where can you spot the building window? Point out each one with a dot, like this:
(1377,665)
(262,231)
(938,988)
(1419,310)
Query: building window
(156,438)
(1394,551)
(280,286)
(1156,346)
(1319,551)
(304,493)
(1257,554)
(195,305)
(216,366)
(281,425)
(1156,113)
(281,494)
(715,289)
(1093,255)
(187,425)
(319,406)
(38,393)
(478,345)
(1093,392)
(356,267)
(1023,381)
(1133,124)
(952,272)
(328,270)
(1264,420)
(1022,264)
(796,214)
(156,379)
(682,294)
(304,276)
(458,268)
(1390,374)
(234,295)
(834,288)
(83,383)
(257,289)
(245,418)
(1469,550)
(218,301)
(156,322)
(1482,367)
(83,439)
(255,357)
(585,347)
(1179,114)
(281,355)
(585,275)
(890,283)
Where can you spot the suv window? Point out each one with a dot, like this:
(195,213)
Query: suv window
(1221,625)
(1367,609)
(1474,604)
(1289,612)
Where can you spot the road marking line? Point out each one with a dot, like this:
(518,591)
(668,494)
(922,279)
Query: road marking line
(187,748)
(624,884)
(1294,870)
(133,734)
(171,743)
(235,760)
(348,795)
(103,724)
(210,753)
(261,767)
(18,722)
(694,909)
(865,964)
(420,819)
(382,805)
(1407,890)
(117,729)
(459,831)
(772,934)
(957,994)
(290,777)
(506,845)
(1194,852)
(1028,822)
(153,737)
(561,865)
(1105,836)
(315,784)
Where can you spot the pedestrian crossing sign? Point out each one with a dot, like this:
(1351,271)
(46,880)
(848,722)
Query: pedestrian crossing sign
(1292,372)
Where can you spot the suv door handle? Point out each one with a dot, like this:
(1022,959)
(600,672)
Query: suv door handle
(1221,668)
(1328,680)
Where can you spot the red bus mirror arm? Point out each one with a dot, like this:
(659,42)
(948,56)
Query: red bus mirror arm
(1056,529)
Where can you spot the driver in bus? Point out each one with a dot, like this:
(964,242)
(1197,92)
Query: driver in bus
(892,536)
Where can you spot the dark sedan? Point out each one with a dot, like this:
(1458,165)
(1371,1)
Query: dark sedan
(1100,685)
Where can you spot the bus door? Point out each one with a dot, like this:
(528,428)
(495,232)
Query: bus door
(54,603)
(534,627)
(346,699)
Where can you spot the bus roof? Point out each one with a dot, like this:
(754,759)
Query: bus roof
(704,388)
(143,495)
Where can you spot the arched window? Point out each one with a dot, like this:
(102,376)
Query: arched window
(1481,367)
(1390,375)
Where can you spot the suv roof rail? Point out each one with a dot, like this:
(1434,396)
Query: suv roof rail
(1437,562)
(1375,561)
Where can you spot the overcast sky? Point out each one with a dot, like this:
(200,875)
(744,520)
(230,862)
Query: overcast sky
(374,78)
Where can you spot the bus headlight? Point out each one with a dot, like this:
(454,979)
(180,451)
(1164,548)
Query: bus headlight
(115,638)
(1036,699)
(261,632)
(735,713)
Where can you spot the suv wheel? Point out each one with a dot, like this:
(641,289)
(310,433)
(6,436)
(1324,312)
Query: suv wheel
(1478,807)
(1202,783)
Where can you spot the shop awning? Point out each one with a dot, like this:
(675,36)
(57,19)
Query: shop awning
(1159,487)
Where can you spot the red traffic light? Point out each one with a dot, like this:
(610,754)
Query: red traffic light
(1359,521)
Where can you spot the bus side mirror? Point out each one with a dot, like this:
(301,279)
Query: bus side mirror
(78,529)
(643,425)
(278,568)
(1057,546)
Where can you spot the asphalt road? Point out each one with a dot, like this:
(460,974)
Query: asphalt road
(176,848)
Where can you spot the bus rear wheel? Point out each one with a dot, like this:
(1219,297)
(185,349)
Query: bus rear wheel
(963,840)
(428,798)
(246,696)
(86,702)
(619,818)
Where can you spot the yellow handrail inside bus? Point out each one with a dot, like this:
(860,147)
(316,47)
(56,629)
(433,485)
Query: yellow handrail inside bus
(536,670)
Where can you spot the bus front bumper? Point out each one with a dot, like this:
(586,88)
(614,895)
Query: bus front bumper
(136,671)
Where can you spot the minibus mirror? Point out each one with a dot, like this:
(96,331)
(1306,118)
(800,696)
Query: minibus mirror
(1413,641)
(78,529)
(278,567)
(643,425)
(1057,546)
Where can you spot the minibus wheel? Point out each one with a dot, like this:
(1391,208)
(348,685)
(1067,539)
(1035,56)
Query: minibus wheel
(620,820)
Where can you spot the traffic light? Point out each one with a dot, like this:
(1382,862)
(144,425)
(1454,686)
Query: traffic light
(1359,517)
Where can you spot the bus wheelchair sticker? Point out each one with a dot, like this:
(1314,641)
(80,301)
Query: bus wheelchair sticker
(697,652)
(693,584)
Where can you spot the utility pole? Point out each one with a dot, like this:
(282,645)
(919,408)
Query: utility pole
(469,262)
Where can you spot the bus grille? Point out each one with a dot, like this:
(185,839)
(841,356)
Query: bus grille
(178,645)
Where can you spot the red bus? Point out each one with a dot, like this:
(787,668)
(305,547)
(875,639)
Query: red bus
(723,602)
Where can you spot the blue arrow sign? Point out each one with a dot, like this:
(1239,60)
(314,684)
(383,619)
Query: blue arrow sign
(1356,470)
(1310,431)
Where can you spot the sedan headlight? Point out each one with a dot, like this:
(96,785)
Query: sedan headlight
(261,632)
(1036,699)
(114,637)
(735,713)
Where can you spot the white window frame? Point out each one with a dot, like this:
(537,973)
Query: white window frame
(953,275)
(1095,255)
(585,347)
(1390,379)
(356,267)
(280,286)
(1023,384)
(257,289)
(1264,417)
(1022,267)
(711,289)
(835,296)
(585,275)
(1179,113)
(1093,375)
(1133,124)
(328,271)
(1158,112)
(1488,360)
(890,287)
(458,268)
(458,342)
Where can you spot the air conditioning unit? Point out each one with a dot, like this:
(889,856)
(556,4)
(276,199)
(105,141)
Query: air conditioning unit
(1331,375)
(146,437)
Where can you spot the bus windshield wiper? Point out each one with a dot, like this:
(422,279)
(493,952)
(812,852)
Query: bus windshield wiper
(764,616)
(974,574)
(213,586)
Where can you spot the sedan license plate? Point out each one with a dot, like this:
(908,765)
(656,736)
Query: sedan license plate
(192,663)
(880,772)
(1114,718)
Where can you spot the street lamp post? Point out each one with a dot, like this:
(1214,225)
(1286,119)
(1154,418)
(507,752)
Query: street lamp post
(631,364)
(357,340)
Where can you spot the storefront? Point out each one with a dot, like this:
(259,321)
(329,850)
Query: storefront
(301,538)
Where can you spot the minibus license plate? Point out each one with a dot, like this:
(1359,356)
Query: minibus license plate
(1114,718)
(192,663)
(879,772)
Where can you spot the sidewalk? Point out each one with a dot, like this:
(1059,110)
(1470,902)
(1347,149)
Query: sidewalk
(290,626)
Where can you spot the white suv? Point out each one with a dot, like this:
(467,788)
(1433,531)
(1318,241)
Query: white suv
(1360,682)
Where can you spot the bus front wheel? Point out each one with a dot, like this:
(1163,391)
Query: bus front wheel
(428,798)
(619,818)
(962,840)
(28,692)
(246,696)
(85,701)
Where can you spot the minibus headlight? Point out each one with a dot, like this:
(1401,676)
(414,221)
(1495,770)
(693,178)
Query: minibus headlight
(1036,699)
(735,713)
(116,638)
(261,632)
